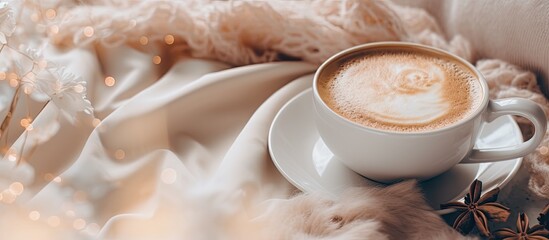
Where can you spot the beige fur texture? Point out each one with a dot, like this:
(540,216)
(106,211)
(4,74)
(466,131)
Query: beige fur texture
(359,213)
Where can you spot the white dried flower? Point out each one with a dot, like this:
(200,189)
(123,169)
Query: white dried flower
(65,90)
(69,93)
(7,22)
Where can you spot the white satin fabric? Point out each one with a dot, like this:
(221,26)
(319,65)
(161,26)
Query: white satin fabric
(187,144)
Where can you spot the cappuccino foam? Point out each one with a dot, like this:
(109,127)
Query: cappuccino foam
(402,91)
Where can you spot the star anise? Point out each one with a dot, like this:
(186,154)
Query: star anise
(477,210)
(524,232)
(544,217)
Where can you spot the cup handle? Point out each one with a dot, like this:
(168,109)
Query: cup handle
(514,106)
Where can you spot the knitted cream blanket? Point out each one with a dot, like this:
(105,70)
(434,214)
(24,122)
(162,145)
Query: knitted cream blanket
(248,32)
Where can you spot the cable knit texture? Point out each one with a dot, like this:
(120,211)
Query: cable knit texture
(247,32)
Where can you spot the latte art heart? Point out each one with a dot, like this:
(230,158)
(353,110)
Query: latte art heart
(401,91)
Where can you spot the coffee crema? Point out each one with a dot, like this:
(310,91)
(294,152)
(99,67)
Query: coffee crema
(401,91)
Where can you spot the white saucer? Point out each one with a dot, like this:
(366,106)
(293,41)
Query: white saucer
(301,156)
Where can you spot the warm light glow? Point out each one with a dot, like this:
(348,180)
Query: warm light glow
(79,224)
(17,188)
(57,179)
(3,75)
(169,39)
(544,150)
(96,122)
(168,176)
(79,88)
(8,197)
(110,81)
(25,122)
(143,40)
(12,76)
(54,29)
(119,154)
(54,221)
(50,14)
(157,60)
(34,215)
(88,31)
(14,82)
(27,89)
(12,157)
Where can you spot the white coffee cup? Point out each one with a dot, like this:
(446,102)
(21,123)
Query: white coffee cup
(388,156)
